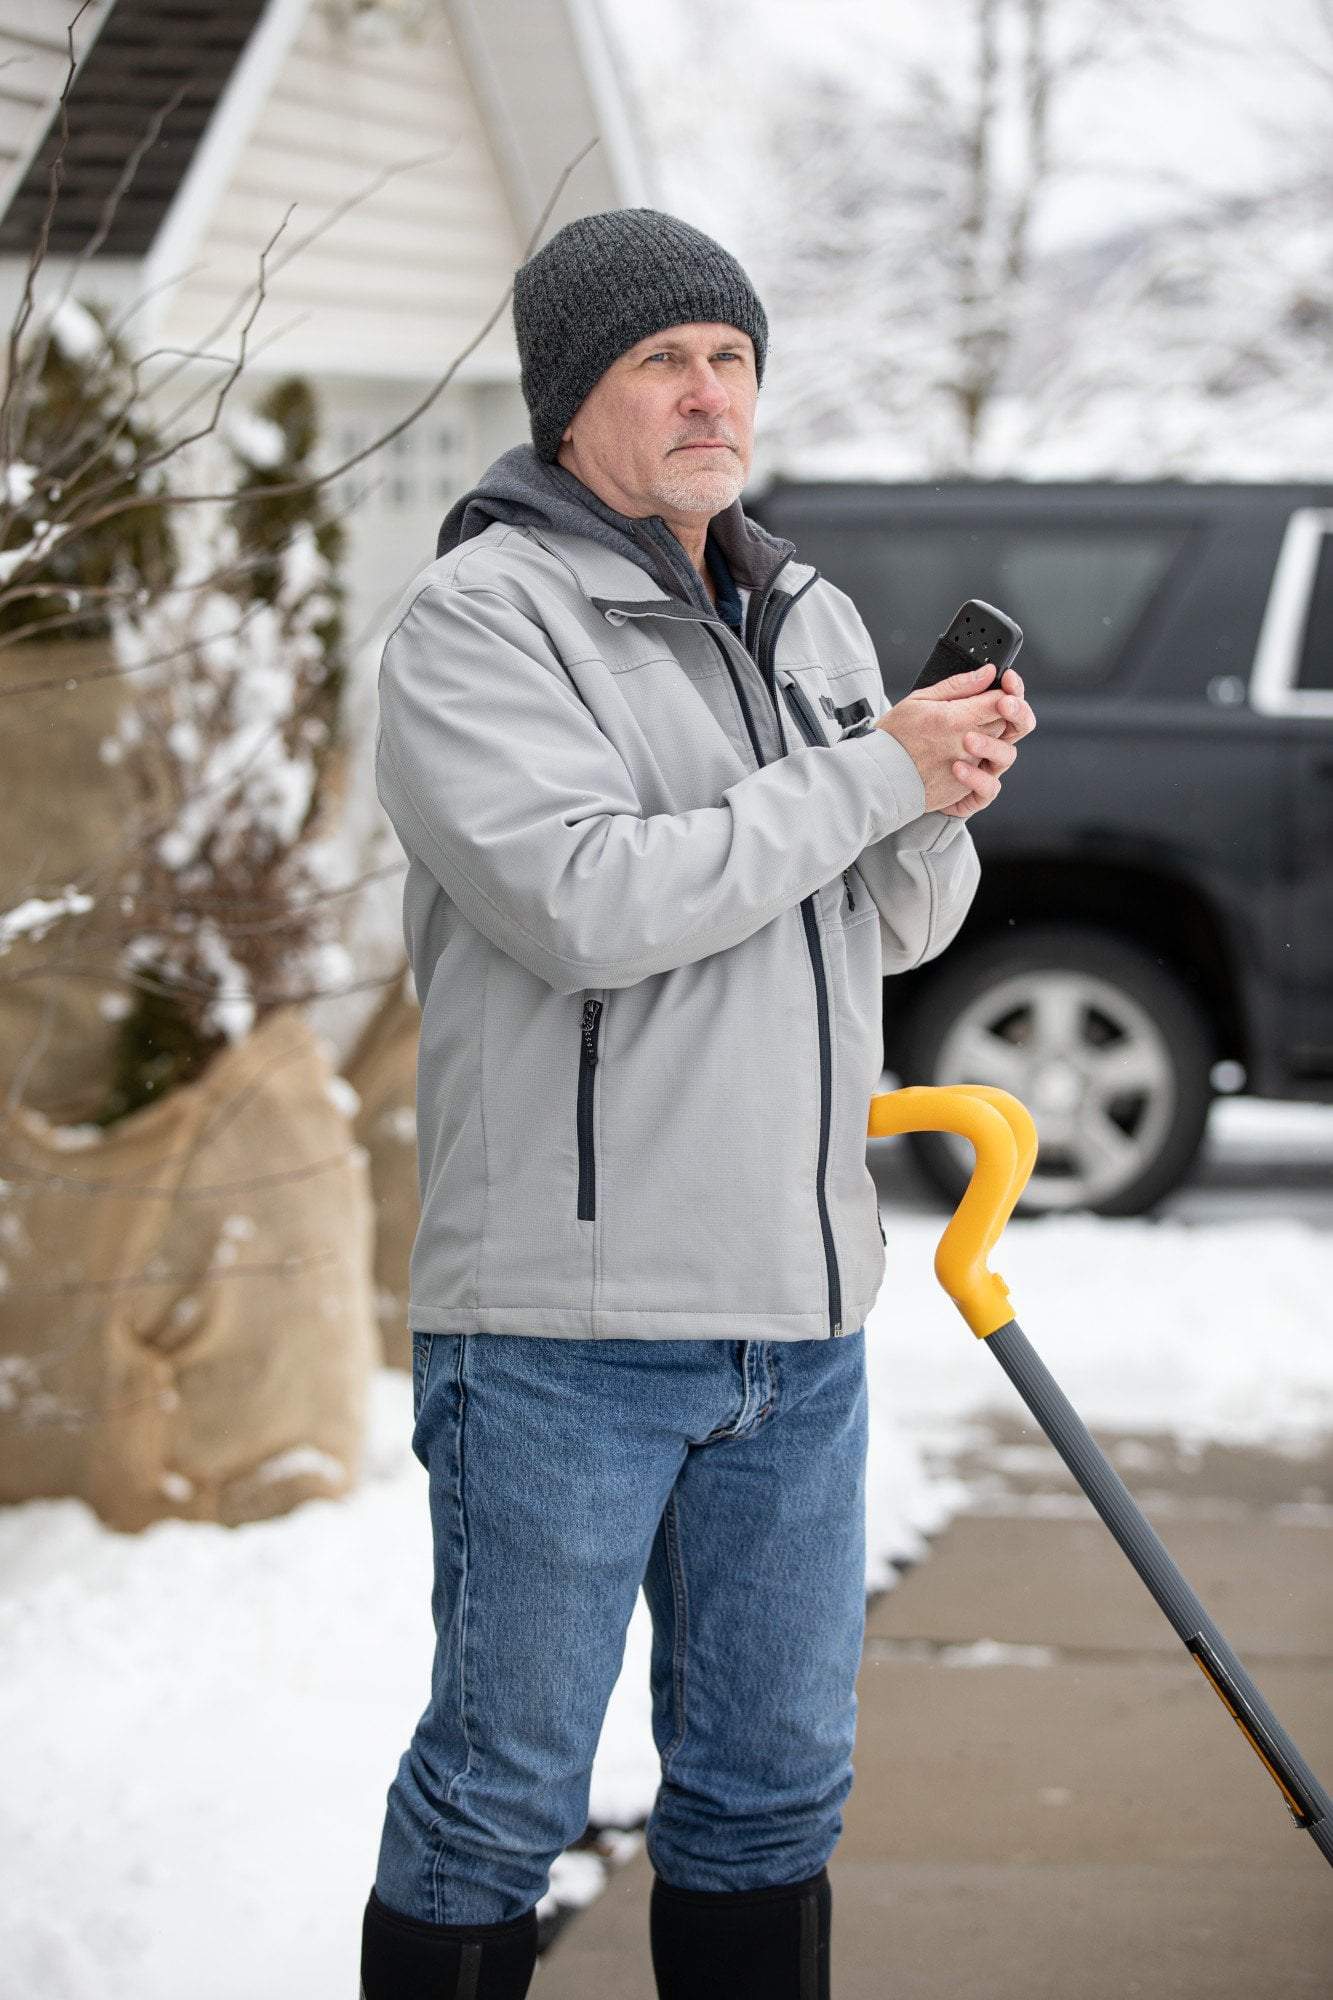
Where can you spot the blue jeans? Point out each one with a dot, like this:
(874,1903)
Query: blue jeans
(727,1477)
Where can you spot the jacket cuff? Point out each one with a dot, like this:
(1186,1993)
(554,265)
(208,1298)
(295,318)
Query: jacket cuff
(930,833)
(903,788)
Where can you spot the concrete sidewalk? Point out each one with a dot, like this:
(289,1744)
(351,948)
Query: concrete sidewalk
(1050,1801)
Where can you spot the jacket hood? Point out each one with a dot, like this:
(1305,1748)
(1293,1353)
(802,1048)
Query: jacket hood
(523,490)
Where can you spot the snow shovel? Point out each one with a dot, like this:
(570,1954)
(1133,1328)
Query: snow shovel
(1005,1141)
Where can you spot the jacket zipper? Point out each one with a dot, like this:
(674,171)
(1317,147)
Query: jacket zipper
(810,730)
(764,622)
(588,1033)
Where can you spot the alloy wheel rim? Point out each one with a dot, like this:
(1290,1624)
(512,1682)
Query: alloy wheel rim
(1088,1061)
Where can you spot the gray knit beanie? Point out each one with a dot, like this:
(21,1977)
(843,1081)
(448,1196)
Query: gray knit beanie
(602,283)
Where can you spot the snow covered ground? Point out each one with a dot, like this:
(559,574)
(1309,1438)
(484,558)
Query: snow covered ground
(199,1723)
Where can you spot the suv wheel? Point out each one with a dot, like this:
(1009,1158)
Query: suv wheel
(1108,1050)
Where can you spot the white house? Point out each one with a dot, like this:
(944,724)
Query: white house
(419,142)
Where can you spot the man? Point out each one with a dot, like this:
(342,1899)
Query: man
(653,889)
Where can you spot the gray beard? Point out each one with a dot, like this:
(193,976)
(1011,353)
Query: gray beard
(706,489)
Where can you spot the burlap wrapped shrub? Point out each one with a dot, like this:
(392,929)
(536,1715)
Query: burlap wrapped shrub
(187,1321)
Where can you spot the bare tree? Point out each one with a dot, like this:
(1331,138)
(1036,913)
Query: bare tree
(897,227)
(913,238)
(1203,344)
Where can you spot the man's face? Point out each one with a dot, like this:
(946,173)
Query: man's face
(633,439)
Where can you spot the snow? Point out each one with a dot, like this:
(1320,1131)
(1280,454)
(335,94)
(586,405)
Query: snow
(76,331)
(19,479)
(205,1720)
(34,551)
(257,438)
(302,1459)
(975,1653)
(231,1010)
(34,917)
(344,1095)
(303,567)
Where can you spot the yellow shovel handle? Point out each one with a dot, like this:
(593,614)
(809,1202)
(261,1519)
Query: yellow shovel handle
(1005,1141)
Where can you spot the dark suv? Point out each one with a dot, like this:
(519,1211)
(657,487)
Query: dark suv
(1155,916)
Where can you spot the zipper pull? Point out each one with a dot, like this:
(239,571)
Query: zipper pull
(591,1010)
(847,878)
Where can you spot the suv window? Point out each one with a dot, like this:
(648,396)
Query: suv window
(1316,667)
(1078,590)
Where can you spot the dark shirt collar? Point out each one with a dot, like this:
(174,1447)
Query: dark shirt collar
(728,597)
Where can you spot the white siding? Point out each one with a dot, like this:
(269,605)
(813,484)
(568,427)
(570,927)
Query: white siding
(34,61)
(391,503)
(398,496)
(402,281)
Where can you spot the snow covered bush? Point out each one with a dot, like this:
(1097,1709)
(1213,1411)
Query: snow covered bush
(238,671)
(185,588)
(82,519)
(173,723)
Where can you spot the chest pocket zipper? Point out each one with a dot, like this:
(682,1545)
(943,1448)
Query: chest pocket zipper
(812,733)
(589,1029)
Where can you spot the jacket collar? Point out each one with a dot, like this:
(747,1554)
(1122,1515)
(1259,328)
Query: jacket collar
(617,582)
(612,555)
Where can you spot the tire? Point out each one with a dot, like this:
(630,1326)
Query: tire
(1106,1047)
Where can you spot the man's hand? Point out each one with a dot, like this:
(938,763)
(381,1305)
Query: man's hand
(961,741)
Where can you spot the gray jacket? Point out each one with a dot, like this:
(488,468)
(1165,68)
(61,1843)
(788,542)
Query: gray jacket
(652,891)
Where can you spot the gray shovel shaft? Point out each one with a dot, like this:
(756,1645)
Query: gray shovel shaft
(1308,1802)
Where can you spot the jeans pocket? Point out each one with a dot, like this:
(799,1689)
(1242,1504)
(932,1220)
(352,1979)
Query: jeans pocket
(421,1353)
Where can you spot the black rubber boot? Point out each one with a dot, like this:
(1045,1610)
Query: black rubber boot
(403,1958)
(747,1944)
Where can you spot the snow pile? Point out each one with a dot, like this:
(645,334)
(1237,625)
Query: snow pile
(201,1723)
(1208,1333)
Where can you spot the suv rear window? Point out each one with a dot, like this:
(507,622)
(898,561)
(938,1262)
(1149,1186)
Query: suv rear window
(1077,590)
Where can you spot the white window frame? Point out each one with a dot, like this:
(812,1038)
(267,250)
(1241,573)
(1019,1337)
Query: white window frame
(1273,689)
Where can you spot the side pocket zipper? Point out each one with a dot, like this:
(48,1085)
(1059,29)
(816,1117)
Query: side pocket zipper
(588,1033)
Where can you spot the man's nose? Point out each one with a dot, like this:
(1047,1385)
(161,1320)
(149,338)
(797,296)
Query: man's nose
(705,390)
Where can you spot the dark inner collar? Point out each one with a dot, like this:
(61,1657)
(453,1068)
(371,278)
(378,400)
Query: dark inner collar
(752,554)
(728,597)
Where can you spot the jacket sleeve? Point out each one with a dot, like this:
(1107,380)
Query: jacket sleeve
(497,777)
(922,880)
